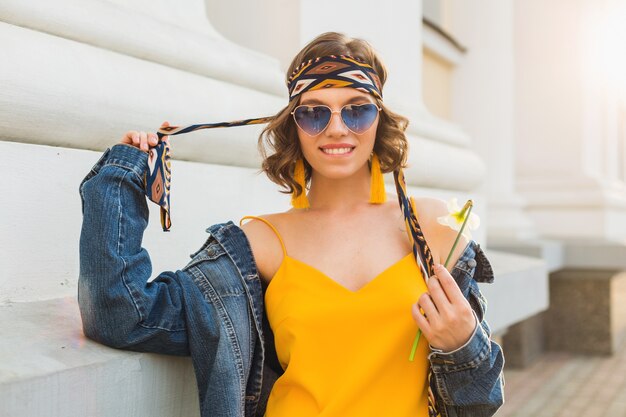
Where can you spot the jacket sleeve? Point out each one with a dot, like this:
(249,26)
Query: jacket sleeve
(118,306)
(469,380)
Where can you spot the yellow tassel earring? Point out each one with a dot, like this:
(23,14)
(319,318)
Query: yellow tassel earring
(377,187)
(299,201)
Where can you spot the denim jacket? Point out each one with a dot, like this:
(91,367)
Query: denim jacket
(212,309)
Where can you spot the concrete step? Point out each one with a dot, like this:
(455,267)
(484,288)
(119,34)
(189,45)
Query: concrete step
(520,289)
(49,369)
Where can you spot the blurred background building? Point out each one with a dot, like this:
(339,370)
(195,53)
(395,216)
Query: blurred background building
(519,105)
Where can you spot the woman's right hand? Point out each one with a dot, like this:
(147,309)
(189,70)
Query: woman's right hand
(142,140)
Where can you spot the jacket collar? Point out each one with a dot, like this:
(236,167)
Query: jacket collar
(236,244)
(473,256)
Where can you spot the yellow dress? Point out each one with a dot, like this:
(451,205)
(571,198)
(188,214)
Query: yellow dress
(346,353)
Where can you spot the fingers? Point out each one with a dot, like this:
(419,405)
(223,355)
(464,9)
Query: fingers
(141,140)
(153,140)
(129,137)
(421,321)
(426,303)
(448,320)
(448,284)
(438,294)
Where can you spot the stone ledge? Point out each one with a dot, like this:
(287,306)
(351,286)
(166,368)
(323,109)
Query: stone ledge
(520,289)
(551,251)
(587,311)
(586,253)
(50,369)
(524,342)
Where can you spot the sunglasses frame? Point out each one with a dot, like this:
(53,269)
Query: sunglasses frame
(331,116)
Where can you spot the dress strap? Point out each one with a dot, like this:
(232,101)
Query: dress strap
(270,225)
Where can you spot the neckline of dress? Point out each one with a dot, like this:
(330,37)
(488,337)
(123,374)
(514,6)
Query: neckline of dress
(330,279)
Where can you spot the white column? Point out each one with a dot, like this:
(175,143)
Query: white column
(484,105)
(268,26)
(570,117)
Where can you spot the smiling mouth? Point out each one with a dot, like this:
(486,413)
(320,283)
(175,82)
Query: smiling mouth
(337,151)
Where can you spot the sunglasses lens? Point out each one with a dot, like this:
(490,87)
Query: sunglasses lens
(359,118)
(312,119)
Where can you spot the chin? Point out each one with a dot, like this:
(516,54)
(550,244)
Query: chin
(338,172)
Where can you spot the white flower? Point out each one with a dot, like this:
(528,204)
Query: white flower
(456,215)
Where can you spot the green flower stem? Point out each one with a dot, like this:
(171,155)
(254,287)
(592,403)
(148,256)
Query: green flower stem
(415,343)
(468,207)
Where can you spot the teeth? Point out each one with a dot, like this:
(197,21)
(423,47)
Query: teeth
(336,151)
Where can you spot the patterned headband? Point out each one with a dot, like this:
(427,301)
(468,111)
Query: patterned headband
(334,71)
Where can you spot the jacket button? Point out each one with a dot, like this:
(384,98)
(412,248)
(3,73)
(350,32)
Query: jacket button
(210,251)
(471,263)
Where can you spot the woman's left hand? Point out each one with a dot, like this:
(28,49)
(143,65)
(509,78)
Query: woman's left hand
(449,321)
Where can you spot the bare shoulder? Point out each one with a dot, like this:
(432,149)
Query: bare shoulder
(264,242)
(428,208)
(440,237)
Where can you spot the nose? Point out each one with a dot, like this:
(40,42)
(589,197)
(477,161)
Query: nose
(336,127)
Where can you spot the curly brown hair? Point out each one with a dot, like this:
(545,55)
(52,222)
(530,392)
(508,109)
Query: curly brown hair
(280,135)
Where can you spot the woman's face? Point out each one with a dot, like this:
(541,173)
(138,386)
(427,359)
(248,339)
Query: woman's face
(350,151)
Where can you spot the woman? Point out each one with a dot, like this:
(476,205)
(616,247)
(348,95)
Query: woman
(312,311)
